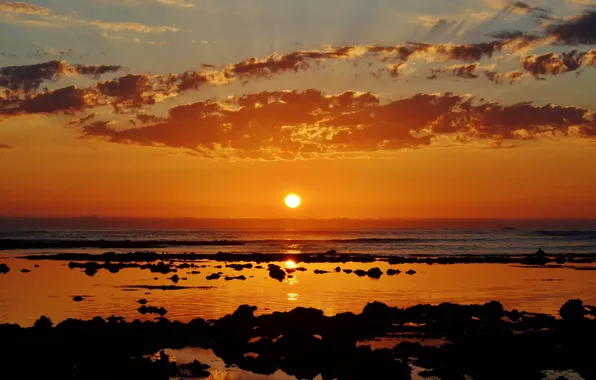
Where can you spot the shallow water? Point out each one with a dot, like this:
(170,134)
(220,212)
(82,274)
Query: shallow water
(49,289)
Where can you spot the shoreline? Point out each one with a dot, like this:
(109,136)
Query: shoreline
(482,341)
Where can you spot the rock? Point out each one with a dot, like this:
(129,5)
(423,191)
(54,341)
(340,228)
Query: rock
(392,272)
(572,311)
(239,267)
(142,301)
(184,266)
(276,272)
(374,273)
(152,310)
(331,252)
(174,279)
(301,269)
(228,278)
(348,271)
(319,271)
(90,271)
(25,270)
(43,323)
(259,267)
(214,276)
(360,273)
(195,272)
(338,269)
(77,298)
(196,368)
(560,259)
(36,265)
(4,269)
(411,272)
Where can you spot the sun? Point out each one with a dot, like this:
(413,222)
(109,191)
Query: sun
(293,201)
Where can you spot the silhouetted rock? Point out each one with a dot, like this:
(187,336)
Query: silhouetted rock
(360,273)
(560,259)
(319,271)
(276,272)
(239,267)
(338,269)
(43,323)
(25,270)
(229,278)
(90,271)
(196,368)
(4,268)
(331,252)
(152,310)
(36,266)
(348,271)
(411,272)
(77,298)
(572,311)
(142,301)
(392,272)
(301,269)
(174,279)
(195,272)
(214,276)
(374,273)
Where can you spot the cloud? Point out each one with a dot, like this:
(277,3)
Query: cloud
(6,146)
(554,63)
(65,100)
(30,77)
(577,30)
(462,71)
(19,7)
(309,124)
(45,18)
(498,78)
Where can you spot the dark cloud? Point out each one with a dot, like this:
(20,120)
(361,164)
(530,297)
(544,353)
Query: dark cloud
(30,77)
(308,124)
(461,71)
(65,100)
(554,63)
(578,30)
(499,78)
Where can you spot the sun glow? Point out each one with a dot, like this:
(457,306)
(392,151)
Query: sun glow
(293,201)
(291,264)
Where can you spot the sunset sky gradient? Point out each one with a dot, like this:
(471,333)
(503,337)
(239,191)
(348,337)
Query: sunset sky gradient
(366,109)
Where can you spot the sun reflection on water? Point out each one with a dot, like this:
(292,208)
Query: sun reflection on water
(290,264)
(293,296)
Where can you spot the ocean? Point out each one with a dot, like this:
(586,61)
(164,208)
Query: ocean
(436,242)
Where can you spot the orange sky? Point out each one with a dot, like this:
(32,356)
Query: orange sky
(359,124)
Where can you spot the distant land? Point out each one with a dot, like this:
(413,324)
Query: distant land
(92,222)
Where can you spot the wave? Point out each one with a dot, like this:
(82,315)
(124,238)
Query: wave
(567,233)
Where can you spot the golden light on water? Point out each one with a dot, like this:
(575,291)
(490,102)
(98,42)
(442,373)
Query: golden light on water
(293,201)
(291,264)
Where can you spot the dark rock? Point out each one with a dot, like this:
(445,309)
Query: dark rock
(142,301)
(228,278)
(338,269)
(348,271)
(152,310)
(318,271)
(331,252)
(392,272)
(572,311)
(214,276)
(239,267)
(560,259)
(36,266)
(90,271)
(276,272)
(374,273)
(4,268)
(195,272)
(25,270)
(174,279)
(360,273)
(411,272)
(197,369)
(43,323)
(301,269)
(77,298)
